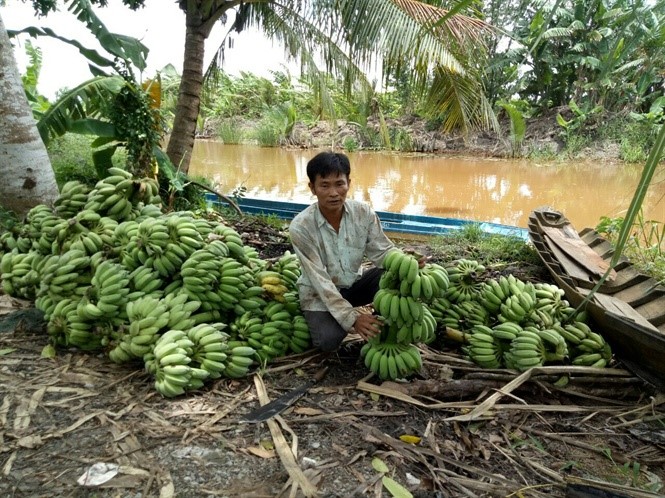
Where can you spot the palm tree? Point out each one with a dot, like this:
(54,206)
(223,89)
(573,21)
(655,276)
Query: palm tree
(27,175)
(408,36)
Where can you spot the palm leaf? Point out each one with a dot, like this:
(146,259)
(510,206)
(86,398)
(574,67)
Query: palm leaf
(87,100)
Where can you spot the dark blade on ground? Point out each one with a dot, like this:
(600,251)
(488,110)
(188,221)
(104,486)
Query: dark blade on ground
(280,404)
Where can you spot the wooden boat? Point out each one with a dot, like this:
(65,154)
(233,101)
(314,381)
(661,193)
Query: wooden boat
(391,222)
(629,307)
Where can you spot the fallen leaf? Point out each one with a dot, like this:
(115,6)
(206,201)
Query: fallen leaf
(407,438)
(395,488)
(267,444)
(374,396)
(48,351)
(261,452)
(6,351)
(379,465)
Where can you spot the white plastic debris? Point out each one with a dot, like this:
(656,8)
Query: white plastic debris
(99,473)
(308,463)
(412,480)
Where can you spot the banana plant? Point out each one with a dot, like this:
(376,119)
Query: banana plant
(112,105)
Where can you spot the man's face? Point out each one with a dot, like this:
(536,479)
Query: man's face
(330,191)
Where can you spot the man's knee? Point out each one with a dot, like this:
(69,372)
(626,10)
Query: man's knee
(327,335)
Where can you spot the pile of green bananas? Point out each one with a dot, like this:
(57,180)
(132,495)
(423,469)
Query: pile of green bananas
(111,272)
(516,324)
(405,289)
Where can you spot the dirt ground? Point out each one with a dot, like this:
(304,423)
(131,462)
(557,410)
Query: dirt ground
(77,425)
(452,431)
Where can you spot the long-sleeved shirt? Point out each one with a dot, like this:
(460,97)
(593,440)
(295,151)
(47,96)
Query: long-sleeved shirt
(332,260)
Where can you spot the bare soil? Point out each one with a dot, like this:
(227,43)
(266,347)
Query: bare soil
(454,430)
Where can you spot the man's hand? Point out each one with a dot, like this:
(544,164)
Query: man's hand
(367,326)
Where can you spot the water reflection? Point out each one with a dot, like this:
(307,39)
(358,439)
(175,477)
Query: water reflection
(500,191)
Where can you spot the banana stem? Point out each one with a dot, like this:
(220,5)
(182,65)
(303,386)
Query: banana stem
(455,335)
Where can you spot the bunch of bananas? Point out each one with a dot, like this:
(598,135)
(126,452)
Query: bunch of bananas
(551,307)
(65,276)
(121,196)
(300,340)
(390,360)
(146,317)
(240,359)
(587,348)
(72,199)
(463,315)
(276,332)
(169,363)
(520,303)
(288,268)
(526,351)
(19,273)
(208,350)
(274,284)
(145,281)
(464,278)
(57,325)
(483,348)
(232,240)
(107,295)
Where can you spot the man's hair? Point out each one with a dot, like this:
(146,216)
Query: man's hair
(328,163)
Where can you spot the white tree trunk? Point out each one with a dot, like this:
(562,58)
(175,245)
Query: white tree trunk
(26,175)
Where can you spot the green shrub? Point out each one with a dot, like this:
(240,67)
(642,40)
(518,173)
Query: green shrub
(71,158)
(350,144)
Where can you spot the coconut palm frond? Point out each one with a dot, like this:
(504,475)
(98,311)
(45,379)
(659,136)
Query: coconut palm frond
(460,101)
(462,28)
(85,101)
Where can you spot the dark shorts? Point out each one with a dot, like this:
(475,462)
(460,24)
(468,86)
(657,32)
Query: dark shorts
(326,333)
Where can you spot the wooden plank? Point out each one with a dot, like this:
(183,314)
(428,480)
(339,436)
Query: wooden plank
(579,252)
(568,265)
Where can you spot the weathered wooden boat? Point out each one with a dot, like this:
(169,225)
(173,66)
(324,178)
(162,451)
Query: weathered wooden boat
(391,222)
(629,307)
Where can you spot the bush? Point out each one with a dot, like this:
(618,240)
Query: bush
(71,158)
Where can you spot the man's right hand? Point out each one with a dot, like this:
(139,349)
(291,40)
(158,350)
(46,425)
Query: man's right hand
(367,326)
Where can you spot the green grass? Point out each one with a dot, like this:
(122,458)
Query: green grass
(646,246)
(71,158)
(230,132)
(493,251)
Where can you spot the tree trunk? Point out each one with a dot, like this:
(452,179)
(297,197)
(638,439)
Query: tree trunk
(181,142)
(25,168)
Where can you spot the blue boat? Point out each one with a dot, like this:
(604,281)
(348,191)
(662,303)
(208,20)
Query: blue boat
(391,222)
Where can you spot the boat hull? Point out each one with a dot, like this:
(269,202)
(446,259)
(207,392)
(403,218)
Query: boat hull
(628,308)
(391,222)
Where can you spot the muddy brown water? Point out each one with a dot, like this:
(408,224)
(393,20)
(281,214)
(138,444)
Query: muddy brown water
(479,189)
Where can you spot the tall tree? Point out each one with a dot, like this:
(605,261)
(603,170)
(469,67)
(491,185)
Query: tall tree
(27,175)
(416,38)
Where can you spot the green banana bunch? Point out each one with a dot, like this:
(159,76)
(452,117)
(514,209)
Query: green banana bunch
(209,348)
(169,363)
(288,268)
(390,361)
(19,275)
(58,324)
(465,284)
(240,360)
(483,348)
(554,345)
(200,274)
(526,351)
(72,199)
(147,316)
(65,276)
(233,241)
(300,340)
